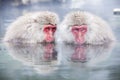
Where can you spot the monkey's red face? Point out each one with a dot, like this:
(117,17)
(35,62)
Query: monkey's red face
(49,31)
(79,33)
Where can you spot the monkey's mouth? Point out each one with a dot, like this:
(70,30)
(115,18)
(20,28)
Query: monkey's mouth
(49,40)
(79,39)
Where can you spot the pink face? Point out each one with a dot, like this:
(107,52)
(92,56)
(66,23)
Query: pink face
(49,31)
(79,33)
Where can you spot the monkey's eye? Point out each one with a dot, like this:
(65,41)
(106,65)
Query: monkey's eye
(54,29)
(83,29)
(46,29)
(75,30)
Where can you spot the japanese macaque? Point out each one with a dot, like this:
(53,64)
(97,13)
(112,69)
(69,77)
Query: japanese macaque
(32,28)
(40,56)
(81,27)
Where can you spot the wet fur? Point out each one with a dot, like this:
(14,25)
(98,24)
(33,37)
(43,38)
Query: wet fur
(99,32)
(29,28)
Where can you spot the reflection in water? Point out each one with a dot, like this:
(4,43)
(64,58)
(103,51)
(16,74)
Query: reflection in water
(49,58)
(79,54)
(90,55)
(84,62)
(41,56)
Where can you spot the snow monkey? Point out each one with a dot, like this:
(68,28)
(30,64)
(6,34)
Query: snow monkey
(33,27)
(82,27)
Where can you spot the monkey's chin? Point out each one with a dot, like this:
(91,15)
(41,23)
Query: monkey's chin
(49,41)
(79,41)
